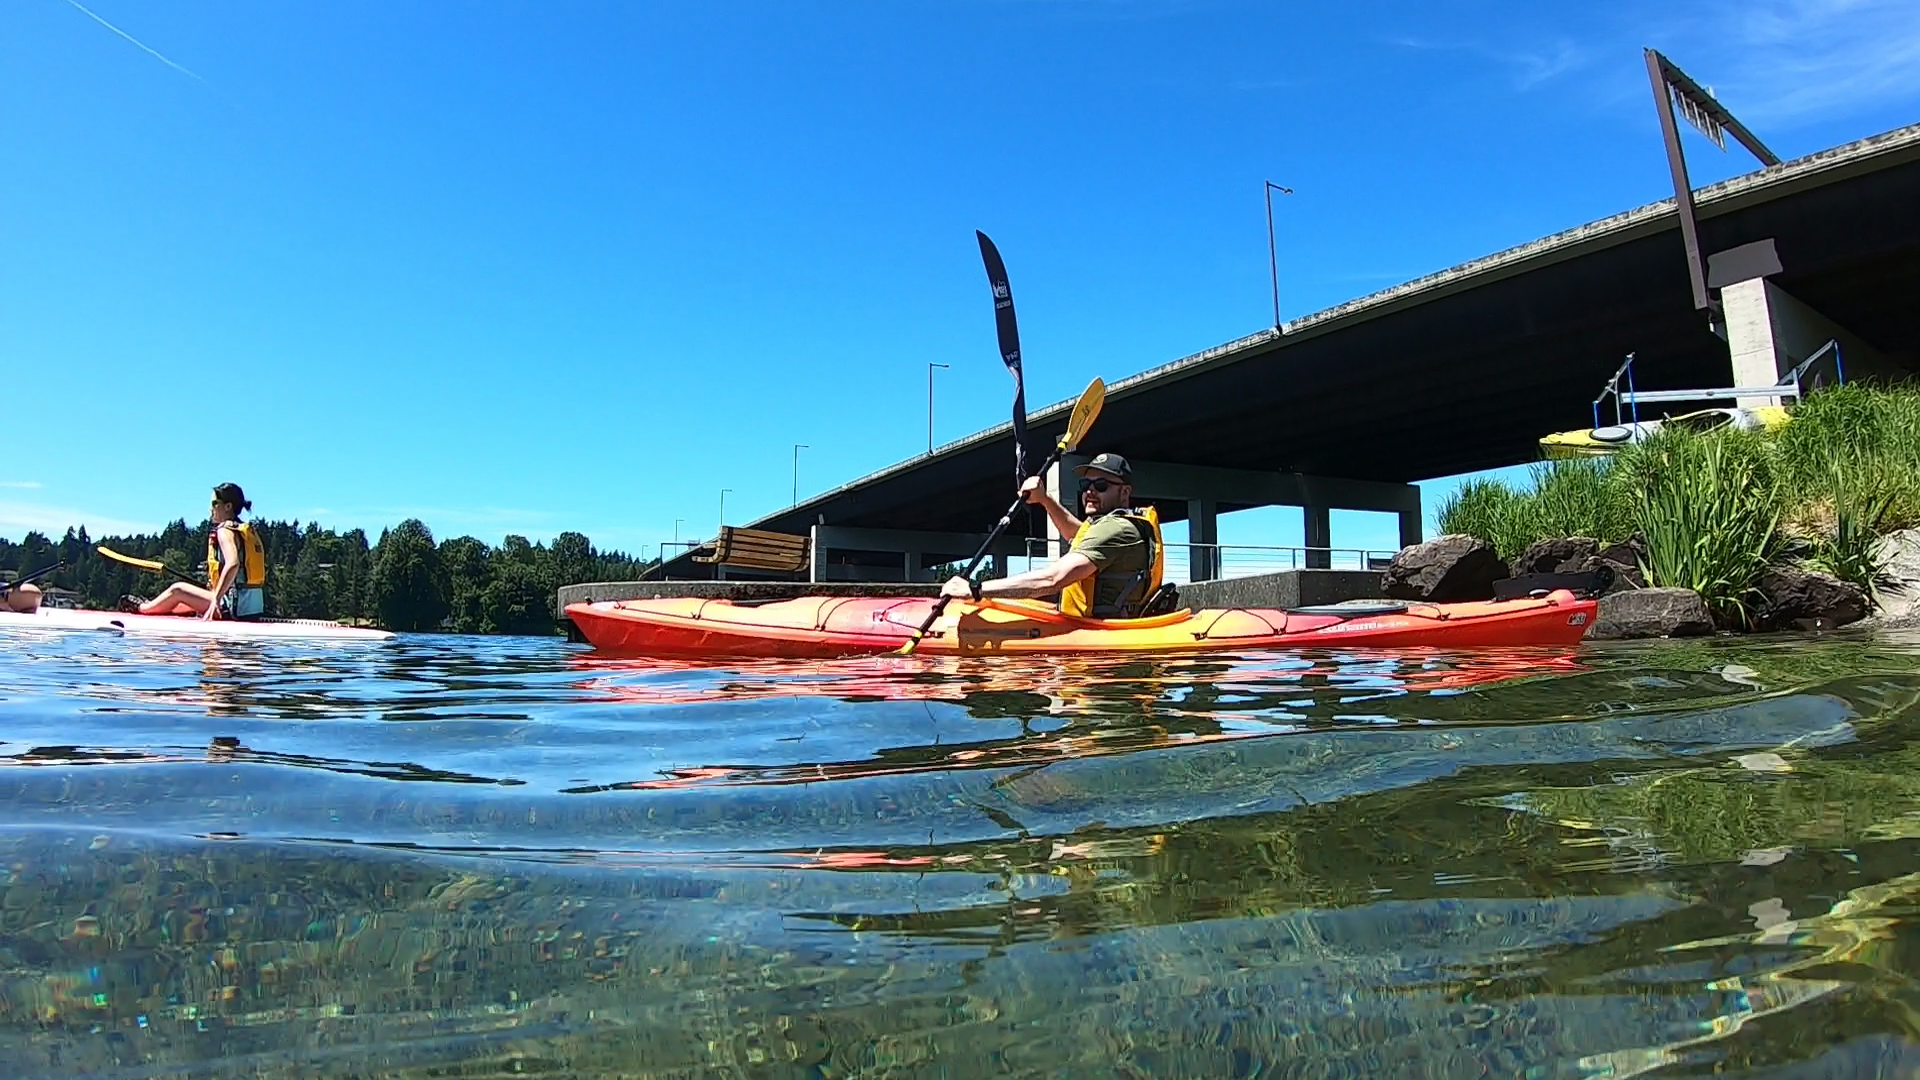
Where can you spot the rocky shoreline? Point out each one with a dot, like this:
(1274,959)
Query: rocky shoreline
(1789,596)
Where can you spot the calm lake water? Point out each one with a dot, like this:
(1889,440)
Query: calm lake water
(467,857)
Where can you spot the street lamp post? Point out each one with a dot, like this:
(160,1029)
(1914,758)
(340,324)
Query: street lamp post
(797,447)
(723,508)
(930,367)
(1273,255)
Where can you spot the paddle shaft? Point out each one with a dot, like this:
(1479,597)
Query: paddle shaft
(980,556)
(151,565)
(8,586)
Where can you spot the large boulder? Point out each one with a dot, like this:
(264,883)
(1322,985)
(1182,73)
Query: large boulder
(1796,598)
(1444,570)
(1898,556)
(1584,554)
(1557,555)
(1651,613)
(1624,560)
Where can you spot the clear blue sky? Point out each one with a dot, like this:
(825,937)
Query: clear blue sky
(532,267)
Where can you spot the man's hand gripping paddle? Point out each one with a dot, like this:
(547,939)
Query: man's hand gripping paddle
(1084,414)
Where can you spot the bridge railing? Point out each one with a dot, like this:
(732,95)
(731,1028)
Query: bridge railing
(1232,560)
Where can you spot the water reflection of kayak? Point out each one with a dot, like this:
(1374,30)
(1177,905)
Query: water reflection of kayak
(1069,708)
(1103,684)
(64,619)
(829,626)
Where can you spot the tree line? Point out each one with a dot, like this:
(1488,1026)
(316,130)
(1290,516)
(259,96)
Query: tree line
(404,581)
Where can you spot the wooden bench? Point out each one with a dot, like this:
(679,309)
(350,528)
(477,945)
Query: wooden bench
(757,549)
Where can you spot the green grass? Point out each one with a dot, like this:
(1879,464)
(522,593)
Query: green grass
(1492,511)
(1574,498)
(1717,507)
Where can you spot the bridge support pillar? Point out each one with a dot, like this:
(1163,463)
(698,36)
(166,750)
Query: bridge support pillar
(1410,522)
(1770,331)
(1319,535)
(1203,536)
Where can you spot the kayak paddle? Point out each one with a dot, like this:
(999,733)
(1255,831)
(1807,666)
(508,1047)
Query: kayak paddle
(154,565)
(8,586)
(1084,414)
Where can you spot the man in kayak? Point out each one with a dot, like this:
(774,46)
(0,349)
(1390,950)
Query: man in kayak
(1113,564)
(236,568)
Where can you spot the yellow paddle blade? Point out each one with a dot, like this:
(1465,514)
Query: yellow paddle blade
(144,564)
(1084,414)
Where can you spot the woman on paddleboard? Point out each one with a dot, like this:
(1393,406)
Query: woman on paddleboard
(236,568)
(20,599)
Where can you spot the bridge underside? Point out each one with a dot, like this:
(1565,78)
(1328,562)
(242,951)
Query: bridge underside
(1467,369)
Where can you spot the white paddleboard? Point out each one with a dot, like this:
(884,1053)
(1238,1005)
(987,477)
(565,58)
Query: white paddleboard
(179,626)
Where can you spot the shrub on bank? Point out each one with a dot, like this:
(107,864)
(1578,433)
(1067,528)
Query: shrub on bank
(1716,508)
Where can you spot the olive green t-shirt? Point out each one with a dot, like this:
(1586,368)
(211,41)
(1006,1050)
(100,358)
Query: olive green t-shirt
(1119,553)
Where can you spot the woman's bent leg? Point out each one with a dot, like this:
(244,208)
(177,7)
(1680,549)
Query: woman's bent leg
(179,595)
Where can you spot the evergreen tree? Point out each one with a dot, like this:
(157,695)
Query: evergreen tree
(408,586)
(468,573)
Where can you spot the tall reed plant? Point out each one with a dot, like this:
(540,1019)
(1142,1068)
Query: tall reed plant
(1710,510)
(1578,498)
(1490,511)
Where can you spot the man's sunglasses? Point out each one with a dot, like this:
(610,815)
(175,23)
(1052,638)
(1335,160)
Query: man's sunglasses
(1100,485)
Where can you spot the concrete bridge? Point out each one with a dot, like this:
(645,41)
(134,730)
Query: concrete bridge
(1455,372)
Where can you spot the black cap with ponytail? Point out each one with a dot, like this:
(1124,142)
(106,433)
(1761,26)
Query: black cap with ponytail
(232,496)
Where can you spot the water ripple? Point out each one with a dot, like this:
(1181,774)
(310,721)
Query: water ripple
(494,856)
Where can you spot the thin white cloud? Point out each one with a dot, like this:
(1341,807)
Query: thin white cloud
(142,46)
(1527,65)
(1536,66)
(22,485)
(1785,60)
(20,517)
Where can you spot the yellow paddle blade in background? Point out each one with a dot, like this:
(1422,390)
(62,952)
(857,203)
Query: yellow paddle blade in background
(144,564)
(154,565)
(1085,412)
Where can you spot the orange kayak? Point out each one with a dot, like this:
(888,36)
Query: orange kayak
(830,626)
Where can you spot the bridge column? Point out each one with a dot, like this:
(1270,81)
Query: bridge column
(1203,531)
(1319,534)
(1058,487)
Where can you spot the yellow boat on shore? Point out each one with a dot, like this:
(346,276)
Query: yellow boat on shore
(1600,441)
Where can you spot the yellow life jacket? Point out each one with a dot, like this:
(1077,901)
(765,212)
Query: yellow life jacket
(253,557)
(1078,597)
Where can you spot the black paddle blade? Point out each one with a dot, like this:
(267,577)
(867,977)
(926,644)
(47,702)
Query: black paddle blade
(1009,331)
